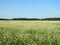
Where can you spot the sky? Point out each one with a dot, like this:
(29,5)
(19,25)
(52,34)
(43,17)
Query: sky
(29,8)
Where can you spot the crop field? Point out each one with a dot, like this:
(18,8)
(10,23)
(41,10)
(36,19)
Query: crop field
(29,32)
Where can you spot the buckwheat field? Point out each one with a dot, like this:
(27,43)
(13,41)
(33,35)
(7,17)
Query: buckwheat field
(29,32)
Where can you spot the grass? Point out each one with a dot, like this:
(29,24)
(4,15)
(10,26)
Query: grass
(29,32)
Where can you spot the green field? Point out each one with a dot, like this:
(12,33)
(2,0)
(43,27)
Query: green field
(29,32)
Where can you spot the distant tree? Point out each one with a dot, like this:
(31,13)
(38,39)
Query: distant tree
(31,19)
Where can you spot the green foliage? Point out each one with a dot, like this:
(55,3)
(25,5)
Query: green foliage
(29,32)
(31,19)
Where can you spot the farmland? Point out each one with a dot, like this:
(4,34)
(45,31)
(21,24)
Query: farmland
(29,32)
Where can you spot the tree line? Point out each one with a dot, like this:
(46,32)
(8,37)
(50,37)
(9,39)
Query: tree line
(31,19)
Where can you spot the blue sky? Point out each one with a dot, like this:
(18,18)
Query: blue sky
(29,8)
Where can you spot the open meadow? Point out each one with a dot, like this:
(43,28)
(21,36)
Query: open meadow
(29,32)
